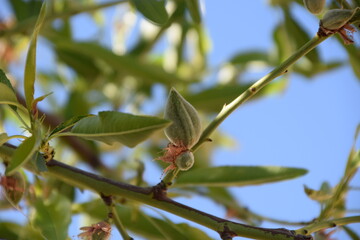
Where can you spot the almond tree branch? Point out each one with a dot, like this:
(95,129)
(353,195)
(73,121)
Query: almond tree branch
(155,197)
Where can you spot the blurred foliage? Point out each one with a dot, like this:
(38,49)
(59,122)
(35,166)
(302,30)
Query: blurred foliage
(129,74)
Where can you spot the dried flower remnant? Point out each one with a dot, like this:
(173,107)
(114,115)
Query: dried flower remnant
(14,187)
(97,231)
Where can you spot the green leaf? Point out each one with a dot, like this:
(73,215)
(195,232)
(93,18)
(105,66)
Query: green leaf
(30,65)
(4,79)
(84,65)
(39,163)
(352,234)
(153,10)
(67,124)
(194,9)
(325,192)
(8,97)
(3,138)
(283,44)
(14,231)
(23,154)
(147,72)
(299,36)
(144,225)
(52,217)
(251,56)
(25,9)
(237,176)
(110,127)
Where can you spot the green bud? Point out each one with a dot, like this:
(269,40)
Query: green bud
(185,161)
(185,128)
(336,18)
(314,6)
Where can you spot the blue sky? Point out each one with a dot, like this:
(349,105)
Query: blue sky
(311,125)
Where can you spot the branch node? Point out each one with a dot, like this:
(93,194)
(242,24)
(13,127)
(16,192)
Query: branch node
(159,191)
(227,234)
(107,199)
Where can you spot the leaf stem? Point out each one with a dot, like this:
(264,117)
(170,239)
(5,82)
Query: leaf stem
(250,92)
(314,227)
(255,88)
(116,219)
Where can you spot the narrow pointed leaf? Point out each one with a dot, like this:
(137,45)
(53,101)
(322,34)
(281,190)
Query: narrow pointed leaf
(8,97)
(67,124)
(23,154)
(3,138)
(351,233)
(110,127)
(237,176)
(153,10)
(30,65)
(137,221)
(4,79)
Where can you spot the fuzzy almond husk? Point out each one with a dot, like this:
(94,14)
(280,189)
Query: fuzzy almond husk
(185,128)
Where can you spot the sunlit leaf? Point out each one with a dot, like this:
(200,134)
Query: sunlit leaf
(110,127)
(194,8)
(52,217)
(8,97)
(299,36)
(251,56)
(3,138)
(309,70)
(23,154)
(153,10)
(30,65)
(4,79)
(145,71)
(321,195)
(237,176)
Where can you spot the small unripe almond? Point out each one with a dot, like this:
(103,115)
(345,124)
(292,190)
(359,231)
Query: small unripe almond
(185,161)
(185,128)
(336,18)
(314,6)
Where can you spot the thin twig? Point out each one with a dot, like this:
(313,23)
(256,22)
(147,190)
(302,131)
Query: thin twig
(250,92)
(317,226)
